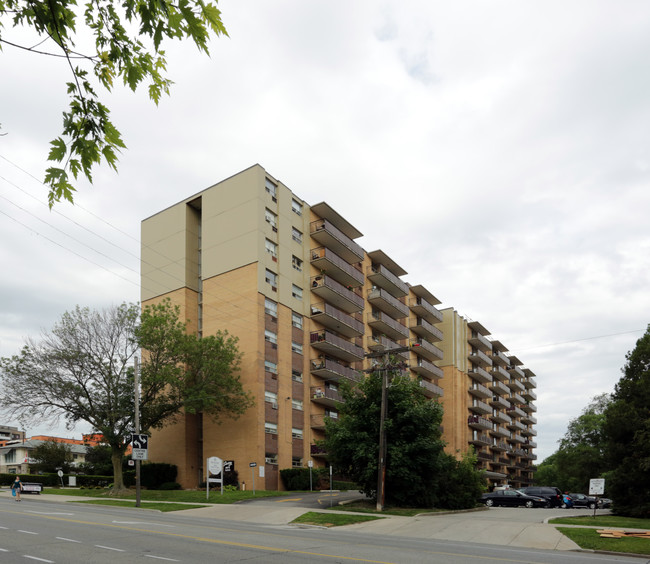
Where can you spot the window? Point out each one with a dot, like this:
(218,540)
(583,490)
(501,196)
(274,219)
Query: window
(271,458)
(271,278)
(296,291)
(271,337)
(271,219)
(297,404)
(271,248)
(10,457)
(296,320)
(296,462)
(296,375)
(271,428)
(296,263)
(270,307)
(331,414)
(271,397)
(296,433)
(270,367)
(296,206)
(271,189)
(296,235)
(296,347)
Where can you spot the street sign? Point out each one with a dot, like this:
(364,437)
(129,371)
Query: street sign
(253,464)
(597,486)
(215,464)
(60,473)
(140,444)
(228,465)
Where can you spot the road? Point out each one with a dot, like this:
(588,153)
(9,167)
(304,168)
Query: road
(37,530)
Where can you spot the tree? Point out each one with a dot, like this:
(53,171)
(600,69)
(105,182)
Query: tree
(627,432)
(98,461)
(120,31)
(82,371)
(415,460)
(50,456)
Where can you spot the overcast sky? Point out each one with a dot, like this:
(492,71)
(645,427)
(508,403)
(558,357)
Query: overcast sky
(498,151)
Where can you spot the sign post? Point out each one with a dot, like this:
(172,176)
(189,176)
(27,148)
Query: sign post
(310,463)
(253,465)
(596,487)
(215,466)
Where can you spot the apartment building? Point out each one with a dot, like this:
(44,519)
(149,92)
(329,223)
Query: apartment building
(8,433)
(495,393)
(306,301)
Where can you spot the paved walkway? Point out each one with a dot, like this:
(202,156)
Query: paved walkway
(501,526)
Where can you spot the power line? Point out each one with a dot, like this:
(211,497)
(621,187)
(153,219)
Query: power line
(580,340)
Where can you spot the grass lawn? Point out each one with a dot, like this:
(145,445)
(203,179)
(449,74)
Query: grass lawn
(331,519)
(164,507)
(186,496)
(591,540)
(364,506)
(604,521)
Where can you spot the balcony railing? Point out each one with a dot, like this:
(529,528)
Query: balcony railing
(427,350)
(500,416)
(530,383)
(426,368)
(499,388)
(516,372)
(325,396)
(329,236)
(479,391)
(333,345)
(329,369)
(382,343)
(478,422)
(422,308)
(331,291)
(499,446)
(515,412)
(379,275)
(516,399)
(383,323)
(499,431)
(480,375)
(529,407)
(500,358)
(515,385)
(337,320)
(431,390)
(478,406)
(424,329)
(481,439)
(499,402)
(317,450)
(328,262)
(499,373)
(480,342)
(317,421)
(529,395)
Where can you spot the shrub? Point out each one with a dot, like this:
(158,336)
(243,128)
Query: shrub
(169,486)
(298,478)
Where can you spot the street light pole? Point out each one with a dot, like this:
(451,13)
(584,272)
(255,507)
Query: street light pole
(136,378)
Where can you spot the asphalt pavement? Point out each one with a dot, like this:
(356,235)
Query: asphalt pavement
(515,527)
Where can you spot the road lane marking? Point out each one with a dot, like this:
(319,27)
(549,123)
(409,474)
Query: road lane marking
(144,523)
(3,550)
(109,548)
(160,558)
(27,532)
(48,512)
(39,559)
(291,499)
(68,540)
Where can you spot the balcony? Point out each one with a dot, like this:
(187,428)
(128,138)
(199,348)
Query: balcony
(499,431)
(515,385)
(425,330)
(516,372)
(530,383)
(499,358)
(499,403)
(499,446)
(318,421)
(500,417)
(325,396)
(380,276)
(499,373)
(426,349)
(430,390)
(478,422)
(480,358)
(479,391)
(480,375)
(499,388)
(336,320)
(383,323)
(516,425)
(480,342)
(329,343)
(328,289)
(529,419)
(515,412)
(426,368)
(530,444)
(423,309)
(329,236)
(329,369)
(481,439)
(328,262)
(529,407)
(516,399)
(317,451)
(382,343)
(529,395)
(478,406)
(381,299)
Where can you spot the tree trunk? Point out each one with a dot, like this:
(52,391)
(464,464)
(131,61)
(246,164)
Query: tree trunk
(117,455)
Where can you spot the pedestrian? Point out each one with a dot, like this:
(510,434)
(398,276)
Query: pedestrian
(16,488)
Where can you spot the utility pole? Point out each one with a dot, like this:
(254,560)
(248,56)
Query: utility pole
(136,379)
(383,447)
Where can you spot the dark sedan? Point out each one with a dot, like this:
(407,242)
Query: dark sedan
(582,500)
(511,498)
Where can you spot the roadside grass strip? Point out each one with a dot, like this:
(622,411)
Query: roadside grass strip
(603,521)
(164,507)
(332,519)
(590,539)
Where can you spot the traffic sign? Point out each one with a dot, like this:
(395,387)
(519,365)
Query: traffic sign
(140,444)
(253,464)
(597,486)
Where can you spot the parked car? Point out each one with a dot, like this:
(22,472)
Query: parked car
(553,496)
(604,502)
(582,500)
(567,502)
(511,498)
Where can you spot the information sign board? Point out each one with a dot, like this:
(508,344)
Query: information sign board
(597,486)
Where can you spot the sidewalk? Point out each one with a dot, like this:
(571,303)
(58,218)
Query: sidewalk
(486,527)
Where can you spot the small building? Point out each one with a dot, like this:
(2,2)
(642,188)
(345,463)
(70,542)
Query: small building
(15,456)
